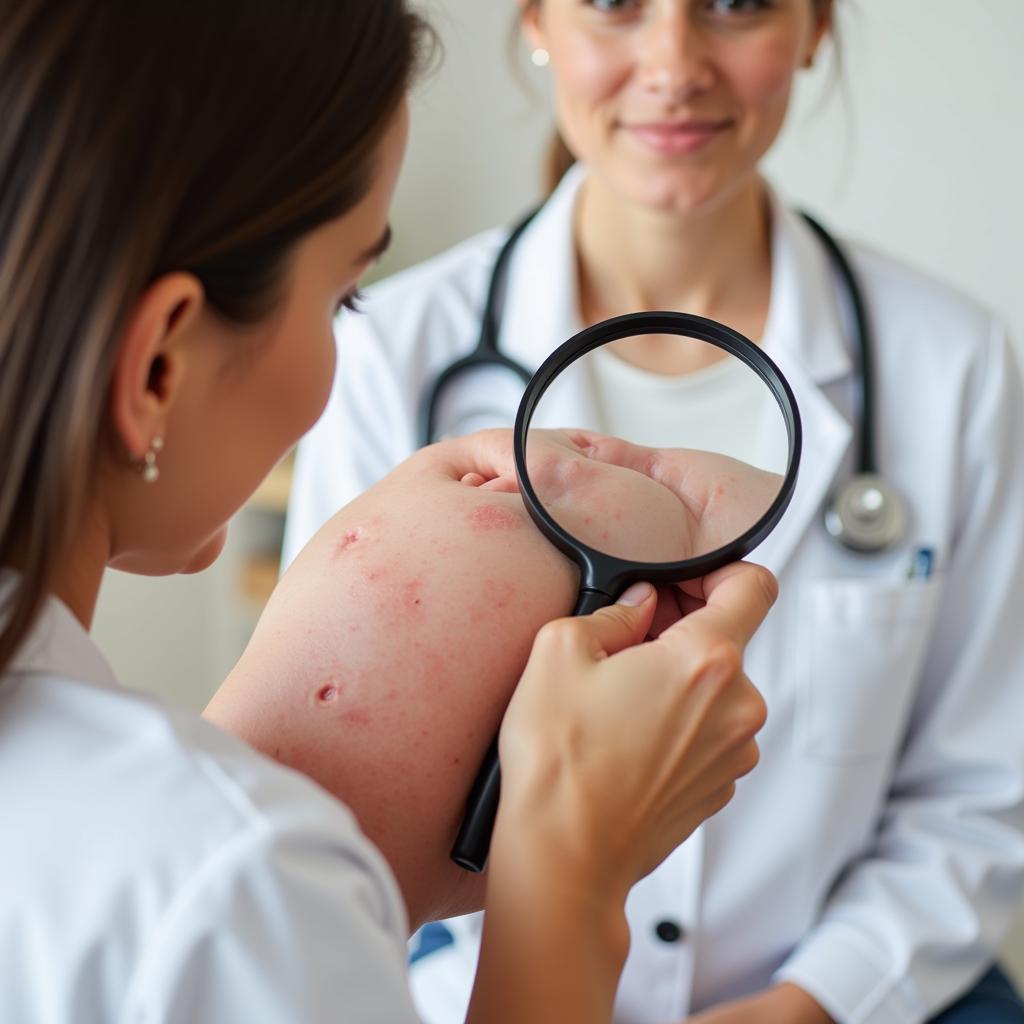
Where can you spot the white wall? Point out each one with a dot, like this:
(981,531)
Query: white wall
(924,161)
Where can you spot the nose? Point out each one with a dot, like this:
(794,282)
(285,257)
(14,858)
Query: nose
(673,60)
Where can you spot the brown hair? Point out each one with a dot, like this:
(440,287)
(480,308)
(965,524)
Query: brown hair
(558,158)
(140,138)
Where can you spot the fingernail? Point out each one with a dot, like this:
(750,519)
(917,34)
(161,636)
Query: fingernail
(637,594)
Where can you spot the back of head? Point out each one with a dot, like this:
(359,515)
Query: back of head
(142,138)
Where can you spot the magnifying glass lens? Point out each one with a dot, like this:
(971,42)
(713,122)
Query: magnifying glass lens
(676,448)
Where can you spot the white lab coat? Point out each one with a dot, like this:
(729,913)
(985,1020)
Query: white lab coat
(875,857)
(154,869)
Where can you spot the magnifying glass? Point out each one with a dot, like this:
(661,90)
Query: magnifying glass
(685,460)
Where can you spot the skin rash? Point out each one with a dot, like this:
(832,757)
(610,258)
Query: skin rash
(384,660)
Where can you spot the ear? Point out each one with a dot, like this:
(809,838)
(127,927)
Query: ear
(529,22)
(150,362)
(822,27)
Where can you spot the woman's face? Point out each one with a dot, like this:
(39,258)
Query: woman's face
(250,393)
(673,102)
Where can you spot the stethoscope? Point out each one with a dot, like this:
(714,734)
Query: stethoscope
(864,513)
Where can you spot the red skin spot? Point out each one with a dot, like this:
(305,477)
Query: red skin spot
(494,517)
(373,575)
(327,693)
(505,596)
(356,717)
(349,538)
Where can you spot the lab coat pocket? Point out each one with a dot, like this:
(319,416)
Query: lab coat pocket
(861,648)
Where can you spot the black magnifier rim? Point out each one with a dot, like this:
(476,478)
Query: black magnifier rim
(607,573)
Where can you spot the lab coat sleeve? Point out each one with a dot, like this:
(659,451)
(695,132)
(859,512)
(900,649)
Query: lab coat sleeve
(919,918)
(277,928)
(366,429)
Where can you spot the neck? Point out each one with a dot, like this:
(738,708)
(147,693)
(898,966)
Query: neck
(715,262)
(77,581)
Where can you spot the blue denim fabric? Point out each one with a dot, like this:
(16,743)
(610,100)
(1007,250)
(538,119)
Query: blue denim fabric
(992,1001)
(429,939)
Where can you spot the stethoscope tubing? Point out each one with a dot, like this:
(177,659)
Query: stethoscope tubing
(865,413)
(486,353)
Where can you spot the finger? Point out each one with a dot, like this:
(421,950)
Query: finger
(737,599)
(501,485)
(623,625)
(613,450)
(605,632)
(487,453)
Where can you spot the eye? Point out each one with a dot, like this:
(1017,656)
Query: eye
(737,6)
(350,301)
(612,6)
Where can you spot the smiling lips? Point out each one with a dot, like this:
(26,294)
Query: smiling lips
(678,137)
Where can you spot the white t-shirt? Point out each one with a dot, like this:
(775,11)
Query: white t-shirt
(153,868)
(722,408)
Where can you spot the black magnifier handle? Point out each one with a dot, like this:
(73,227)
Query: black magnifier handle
(590,601)
(473,843)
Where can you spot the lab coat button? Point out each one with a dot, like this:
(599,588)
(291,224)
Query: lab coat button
(668,931)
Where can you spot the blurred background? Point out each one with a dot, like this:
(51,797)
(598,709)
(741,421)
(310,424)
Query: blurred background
(917,148)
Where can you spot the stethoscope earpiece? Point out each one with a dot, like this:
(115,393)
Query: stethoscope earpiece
(866,514)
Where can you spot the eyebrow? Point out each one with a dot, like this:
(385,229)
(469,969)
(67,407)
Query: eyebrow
(378,248)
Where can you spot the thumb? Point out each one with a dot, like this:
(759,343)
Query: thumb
(621,625)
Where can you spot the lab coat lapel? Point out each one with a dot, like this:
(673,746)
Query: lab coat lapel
(826,438)
(806,336)
(542,292)
(542,300)
(542,307)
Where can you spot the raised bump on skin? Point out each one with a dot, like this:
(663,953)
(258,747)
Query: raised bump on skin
(348,538)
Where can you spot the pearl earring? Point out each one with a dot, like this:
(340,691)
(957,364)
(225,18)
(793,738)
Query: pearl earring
(540,57)
(150,470)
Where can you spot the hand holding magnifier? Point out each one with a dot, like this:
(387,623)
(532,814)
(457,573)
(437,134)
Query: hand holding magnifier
(724,423)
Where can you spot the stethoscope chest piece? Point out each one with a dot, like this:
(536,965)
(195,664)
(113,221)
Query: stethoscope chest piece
(866,514)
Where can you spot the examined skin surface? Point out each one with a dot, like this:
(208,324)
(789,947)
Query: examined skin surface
(685,502)
(389,650)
